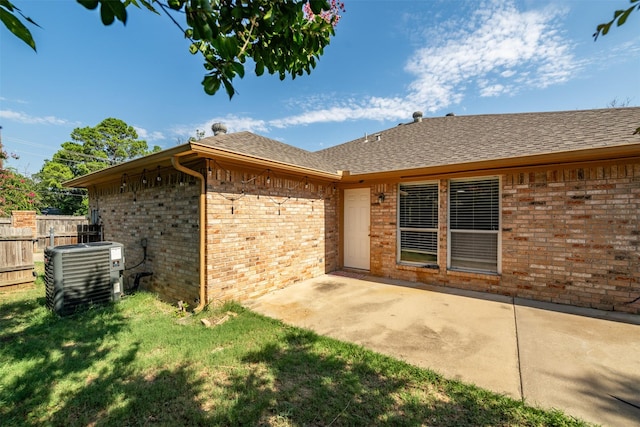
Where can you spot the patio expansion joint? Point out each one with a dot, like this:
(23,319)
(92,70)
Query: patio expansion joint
(515,322)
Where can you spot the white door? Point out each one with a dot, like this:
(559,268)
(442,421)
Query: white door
(357,206)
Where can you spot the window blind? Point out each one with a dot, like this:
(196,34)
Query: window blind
(419,205)
(418,222)
(474,205)
(474,221)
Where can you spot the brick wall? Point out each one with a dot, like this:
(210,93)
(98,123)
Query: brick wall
(569,235)
(572,236)
(24,219)
(278,233)
(262,235)
(166,214)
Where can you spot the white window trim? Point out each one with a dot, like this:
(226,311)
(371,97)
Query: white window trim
(399,229)
(498,232)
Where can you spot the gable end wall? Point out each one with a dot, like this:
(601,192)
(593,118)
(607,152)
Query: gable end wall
(277,234)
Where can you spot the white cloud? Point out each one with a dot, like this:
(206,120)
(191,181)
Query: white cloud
(17,101)
(499,43)
(493,90)
(21,117)
(373,108)
(149,136)
(234,123)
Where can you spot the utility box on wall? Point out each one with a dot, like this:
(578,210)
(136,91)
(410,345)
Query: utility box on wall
(83,274)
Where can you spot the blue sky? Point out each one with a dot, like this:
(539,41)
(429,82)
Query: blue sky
(387,60)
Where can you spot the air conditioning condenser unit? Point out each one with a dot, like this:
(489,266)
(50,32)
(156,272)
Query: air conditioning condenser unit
(83,274)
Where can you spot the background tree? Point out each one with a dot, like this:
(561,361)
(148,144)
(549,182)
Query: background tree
(17,192)
(112,141)
(279,36)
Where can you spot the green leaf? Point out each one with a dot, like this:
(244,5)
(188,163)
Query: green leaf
(211,84)
(89,4)
(14,25)
(145,3)
(6,4)
(220,44)
(106,15)
(237,13)
(206,32)
(624,16)
(176,4)
(117,9)
(318,5)
(227,71)
(259,68)
(238,68)
(229,88)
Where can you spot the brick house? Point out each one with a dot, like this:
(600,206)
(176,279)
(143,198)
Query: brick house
(544,206)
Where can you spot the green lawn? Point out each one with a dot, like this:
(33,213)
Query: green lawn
(140,362)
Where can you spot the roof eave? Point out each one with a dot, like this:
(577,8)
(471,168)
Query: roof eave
(627,151)
(105,175)
(194,149)
(237,158)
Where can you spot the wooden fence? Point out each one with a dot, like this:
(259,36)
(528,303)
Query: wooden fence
(68,230)
(16,257)
(26,232)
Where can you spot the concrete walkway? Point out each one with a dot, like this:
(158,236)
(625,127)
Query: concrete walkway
(584,362)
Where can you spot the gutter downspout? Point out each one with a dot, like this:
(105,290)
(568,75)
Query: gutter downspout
(202,206)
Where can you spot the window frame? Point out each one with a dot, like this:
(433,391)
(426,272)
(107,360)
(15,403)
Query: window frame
(497,232)
(435,230)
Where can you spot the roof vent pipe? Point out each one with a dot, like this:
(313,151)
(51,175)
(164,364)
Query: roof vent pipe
(218,128)
(417,117)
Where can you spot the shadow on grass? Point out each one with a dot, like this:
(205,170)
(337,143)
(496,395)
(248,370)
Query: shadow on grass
(168,397)
(299,383)
(75,371)
(40,349)
(87,369)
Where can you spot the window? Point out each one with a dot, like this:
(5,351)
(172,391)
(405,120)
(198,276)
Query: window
(418,223)
(474,224)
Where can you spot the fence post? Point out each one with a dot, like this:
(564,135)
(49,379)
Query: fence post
(52,236)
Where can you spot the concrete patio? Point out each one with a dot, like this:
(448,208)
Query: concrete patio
(585,362)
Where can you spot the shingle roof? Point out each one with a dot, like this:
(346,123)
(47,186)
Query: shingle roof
(462,139)
(442,141)
(250,144)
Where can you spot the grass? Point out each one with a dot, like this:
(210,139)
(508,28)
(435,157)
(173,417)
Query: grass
(140,362)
